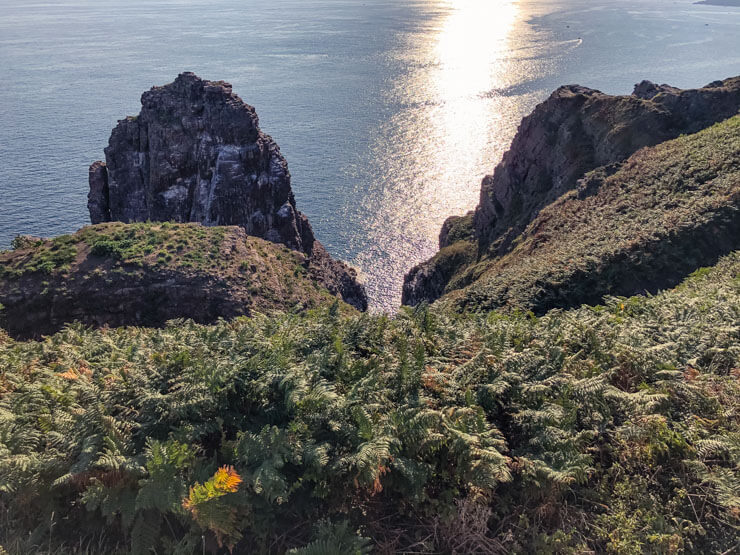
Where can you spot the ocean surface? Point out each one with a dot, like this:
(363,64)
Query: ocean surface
(389,111)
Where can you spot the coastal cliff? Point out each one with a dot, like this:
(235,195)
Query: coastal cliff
(577,130)
(195,153)
(486,422)
(145,274)
(573,132)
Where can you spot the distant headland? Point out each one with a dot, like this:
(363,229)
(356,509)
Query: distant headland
(735,3)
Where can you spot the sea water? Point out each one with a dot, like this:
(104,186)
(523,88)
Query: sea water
(389,112)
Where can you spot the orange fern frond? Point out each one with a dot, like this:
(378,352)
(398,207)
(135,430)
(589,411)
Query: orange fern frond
(227,479)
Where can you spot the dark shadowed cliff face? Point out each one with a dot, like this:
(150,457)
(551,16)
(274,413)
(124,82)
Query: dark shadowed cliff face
(573,132)
(196,153)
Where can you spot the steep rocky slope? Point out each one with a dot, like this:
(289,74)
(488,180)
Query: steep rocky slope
(195,153)
(579,129)
(665,212)
(575,131)
(145,274)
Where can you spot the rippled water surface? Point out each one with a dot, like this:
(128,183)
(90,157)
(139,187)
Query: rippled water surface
(388,111)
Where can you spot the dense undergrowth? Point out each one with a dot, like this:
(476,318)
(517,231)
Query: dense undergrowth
(612,428)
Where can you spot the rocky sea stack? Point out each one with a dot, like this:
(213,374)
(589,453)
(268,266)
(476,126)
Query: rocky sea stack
(195,153)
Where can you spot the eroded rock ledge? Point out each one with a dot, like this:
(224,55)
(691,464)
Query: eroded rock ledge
(195,153)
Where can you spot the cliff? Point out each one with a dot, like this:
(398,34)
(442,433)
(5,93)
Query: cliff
(195,153)
(575,131)
(579,129)
(666,211)
(144,274)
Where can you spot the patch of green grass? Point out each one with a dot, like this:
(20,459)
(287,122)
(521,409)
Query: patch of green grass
(169,242)
(46,257)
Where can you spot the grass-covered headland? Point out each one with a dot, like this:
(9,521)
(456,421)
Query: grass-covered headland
(148,273)
(641,225)
(611,429)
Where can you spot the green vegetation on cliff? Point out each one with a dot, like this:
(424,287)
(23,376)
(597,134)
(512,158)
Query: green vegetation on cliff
(642,225)
(148,273)
(612,428)
(164,244)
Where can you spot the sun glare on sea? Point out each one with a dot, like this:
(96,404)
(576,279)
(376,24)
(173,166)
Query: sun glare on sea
(471,49)
(469,40)
(432,154)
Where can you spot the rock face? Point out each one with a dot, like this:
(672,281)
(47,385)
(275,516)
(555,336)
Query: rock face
(196,153)
(98,199)
(458,249)
(144,274)
(576,130)
(579,129)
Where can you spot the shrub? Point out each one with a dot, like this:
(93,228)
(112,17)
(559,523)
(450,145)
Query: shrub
(606,429)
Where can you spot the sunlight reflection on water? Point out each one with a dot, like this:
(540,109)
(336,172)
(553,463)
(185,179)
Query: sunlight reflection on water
(389,112)
(430,151)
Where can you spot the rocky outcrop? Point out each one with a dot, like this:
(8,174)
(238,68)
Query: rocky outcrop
(574,131)
(195,153)
(641,227)
(457,228)
(458,249)
(98,199)
(579,129)
(118,274)
(647,89)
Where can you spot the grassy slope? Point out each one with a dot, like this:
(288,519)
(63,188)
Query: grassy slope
(102,260)
(612,428)
(168,246)
(666,211)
